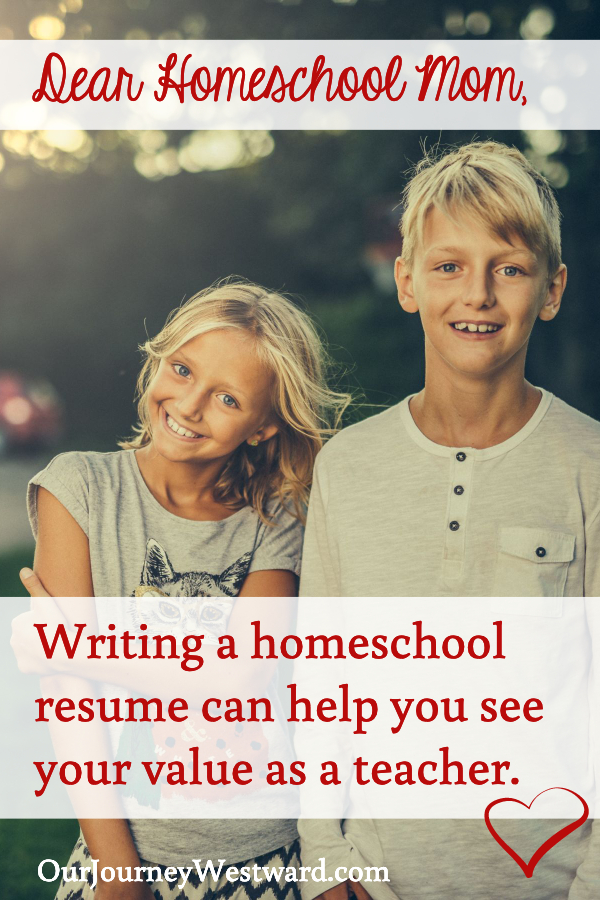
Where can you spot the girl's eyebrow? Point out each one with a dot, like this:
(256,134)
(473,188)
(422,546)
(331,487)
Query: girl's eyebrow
(180,355)
(224,384)
(233,389)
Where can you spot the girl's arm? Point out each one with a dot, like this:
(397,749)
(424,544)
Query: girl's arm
(166,679)
(62,561)
(270,583)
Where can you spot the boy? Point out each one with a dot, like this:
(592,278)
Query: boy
(479,485)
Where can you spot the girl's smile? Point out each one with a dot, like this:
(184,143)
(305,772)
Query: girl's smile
(177,429)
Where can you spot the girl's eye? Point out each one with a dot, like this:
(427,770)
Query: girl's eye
(448,268)
(511,271)
(227,400)
(181,370)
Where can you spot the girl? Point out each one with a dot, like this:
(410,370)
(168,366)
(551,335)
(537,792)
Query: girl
(206,500)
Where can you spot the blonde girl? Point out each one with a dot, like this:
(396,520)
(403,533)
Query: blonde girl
(207,499)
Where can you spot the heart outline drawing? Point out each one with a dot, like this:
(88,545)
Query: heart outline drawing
(528,868)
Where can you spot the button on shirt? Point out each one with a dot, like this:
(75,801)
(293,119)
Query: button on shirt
(386,503)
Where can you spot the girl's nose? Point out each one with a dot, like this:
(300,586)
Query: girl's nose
(191,406)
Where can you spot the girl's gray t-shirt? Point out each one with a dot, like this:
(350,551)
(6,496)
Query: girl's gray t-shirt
(142,552)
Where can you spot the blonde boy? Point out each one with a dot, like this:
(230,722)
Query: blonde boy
(479,485)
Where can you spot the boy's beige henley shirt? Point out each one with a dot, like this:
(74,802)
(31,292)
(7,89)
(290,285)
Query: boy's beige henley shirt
(394,514)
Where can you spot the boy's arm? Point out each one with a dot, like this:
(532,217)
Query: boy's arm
(592,557)
(320,575)
(315,742)
(587,881)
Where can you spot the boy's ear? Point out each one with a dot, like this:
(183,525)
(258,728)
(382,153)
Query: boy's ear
(404,283)
(554,296)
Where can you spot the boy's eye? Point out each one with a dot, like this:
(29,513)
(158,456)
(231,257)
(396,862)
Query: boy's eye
(179,369)
(511,271)
(449,268)
(227,400)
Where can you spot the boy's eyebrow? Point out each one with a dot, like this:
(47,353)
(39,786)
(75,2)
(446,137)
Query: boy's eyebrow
(523,251)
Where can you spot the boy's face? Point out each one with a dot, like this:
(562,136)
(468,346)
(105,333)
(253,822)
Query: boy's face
(478,295)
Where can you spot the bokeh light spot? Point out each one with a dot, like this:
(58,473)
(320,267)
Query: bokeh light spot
(478,22)
(151,141)
(194,26)
(546,142)
(537,24)
(46,28)
(16,142)
(556,173)
(454,22)
(17,410)
(137,34)
(167,162)
(553,99)
(69,140)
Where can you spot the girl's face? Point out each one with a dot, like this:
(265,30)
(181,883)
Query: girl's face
(210,396)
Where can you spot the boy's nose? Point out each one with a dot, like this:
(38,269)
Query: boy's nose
(479,293)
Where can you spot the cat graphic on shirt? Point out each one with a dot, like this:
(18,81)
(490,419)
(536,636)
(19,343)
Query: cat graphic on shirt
(157,572)
(160,581)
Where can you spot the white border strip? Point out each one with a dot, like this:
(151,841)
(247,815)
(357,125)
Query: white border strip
(559,80)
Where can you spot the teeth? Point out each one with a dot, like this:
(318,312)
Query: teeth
(472,327)
(178,429)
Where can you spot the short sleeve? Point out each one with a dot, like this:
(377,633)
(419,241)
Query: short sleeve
(280,544)
(67,478)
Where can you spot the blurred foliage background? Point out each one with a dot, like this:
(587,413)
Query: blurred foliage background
(297,19)
(104,233)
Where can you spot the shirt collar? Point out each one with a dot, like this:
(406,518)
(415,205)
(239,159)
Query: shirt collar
(487,452)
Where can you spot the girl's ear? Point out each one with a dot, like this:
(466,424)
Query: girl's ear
(554,296)
(404,283)
(263,434)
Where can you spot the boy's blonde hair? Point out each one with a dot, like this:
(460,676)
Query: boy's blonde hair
(305,410)
(494,183)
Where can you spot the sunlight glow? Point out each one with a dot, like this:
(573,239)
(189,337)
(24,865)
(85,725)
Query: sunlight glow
(46,28)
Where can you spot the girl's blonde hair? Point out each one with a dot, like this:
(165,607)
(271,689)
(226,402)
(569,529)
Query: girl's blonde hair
(494,183)
(306,410)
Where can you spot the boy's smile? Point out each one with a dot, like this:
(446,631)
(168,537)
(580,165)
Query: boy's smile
(478,294)
(476,330)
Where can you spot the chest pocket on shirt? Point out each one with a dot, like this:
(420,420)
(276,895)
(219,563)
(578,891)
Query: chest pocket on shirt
(532,562)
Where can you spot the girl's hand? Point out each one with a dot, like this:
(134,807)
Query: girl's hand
(32,584)
(26,643)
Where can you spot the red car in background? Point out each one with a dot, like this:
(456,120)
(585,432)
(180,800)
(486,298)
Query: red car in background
(31,413)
